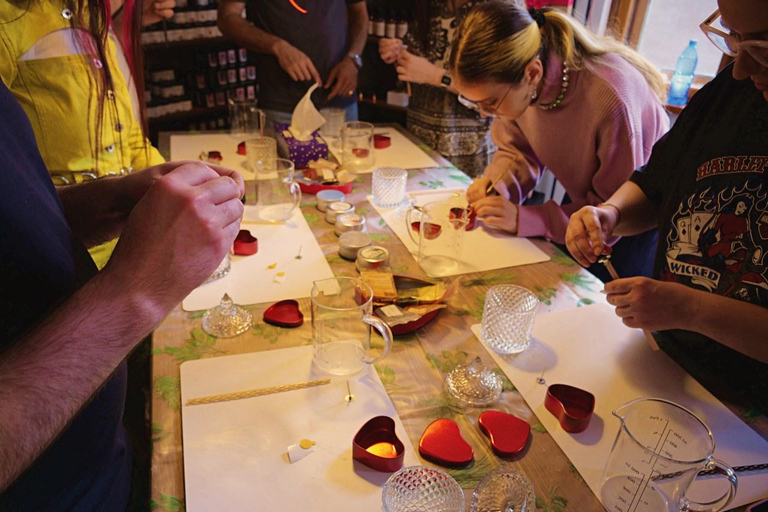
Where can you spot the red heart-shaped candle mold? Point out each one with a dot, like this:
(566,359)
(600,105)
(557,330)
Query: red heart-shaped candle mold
(573,407)
(443,444)
(284,313)
(377,446)
(245,243)
(508,434)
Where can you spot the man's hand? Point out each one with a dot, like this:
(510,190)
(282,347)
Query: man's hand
(178,233)
(342,79)
(295,62)
(652,305)
(497,212)
(157,10)
(588,230)
(417,70)
(389,49)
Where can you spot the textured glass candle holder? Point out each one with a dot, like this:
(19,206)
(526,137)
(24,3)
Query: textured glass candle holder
(505,489)
(422,489)
(508,318)
(388,184)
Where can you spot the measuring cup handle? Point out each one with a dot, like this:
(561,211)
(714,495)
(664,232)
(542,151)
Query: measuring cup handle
(386,333)
(296,193)
(713,506)
(409,223)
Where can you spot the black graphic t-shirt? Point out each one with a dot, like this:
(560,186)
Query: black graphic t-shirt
(709,177)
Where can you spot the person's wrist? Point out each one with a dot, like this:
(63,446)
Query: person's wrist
(613,212)
(437,75)
(278,46)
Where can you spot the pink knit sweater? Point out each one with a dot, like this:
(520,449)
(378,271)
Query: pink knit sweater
(603,130)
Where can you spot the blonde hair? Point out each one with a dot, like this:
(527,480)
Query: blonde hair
(498,39)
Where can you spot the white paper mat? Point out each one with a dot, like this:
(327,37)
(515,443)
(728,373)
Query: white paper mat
(189,147)
(250,281)
(235,452)
(483,249)
(402,153)
(590,348)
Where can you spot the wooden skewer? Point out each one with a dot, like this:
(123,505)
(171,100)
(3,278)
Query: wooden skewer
(408,88)
(239,395)
(606,260)
(264,222)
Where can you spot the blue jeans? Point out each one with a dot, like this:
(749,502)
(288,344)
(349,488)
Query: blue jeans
(277,117)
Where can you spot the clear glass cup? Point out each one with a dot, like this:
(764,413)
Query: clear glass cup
(357,146)
(506,489)
(260,153)
(388,184)
(334,125)
(342,317)
(422,489)
(508,318)
(244,119)
(277,194)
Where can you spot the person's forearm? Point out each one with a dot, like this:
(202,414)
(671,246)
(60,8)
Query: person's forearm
(637,213)
(239,30)
(96,210)
(358,27)
(49,374)
(739,325)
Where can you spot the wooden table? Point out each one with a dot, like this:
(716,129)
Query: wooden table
(413,373)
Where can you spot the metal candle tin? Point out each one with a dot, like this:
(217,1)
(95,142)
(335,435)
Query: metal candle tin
(335,209)
(372,258)
(351,242)
(324,197)
(349,222)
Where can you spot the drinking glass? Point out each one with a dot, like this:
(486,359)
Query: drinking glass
(357,146)
(422,489)
(388,185)
(222,270)
(334,124)
(341,326)
(260,152)
(439,233)
(277,194)
(504,489)
(508,318)
(244,119)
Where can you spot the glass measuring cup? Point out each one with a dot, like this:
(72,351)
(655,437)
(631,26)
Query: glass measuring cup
(658,452)
(341,326)
(440,226)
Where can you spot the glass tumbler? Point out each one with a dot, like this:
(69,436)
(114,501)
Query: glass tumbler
(508,318)
(357,146)
(504,489)
(389,186)
(260,153)
(334,124)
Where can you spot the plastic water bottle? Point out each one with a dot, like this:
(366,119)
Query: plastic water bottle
(683,77)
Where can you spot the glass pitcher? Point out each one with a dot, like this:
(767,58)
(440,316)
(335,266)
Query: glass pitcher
(659,450)
(277,194)
(440,226)
(244,119)
(341,326)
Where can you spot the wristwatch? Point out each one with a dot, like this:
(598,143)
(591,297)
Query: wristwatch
(446,81)
(357,59)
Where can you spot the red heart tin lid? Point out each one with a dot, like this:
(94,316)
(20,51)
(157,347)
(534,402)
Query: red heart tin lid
(508,434)
(443,444)
(284,313)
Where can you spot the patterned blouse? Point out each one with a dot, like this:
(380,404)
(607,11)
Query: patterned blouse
(435,115)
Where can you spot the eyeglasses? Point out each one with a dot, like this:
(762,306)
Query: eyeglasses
(730,44)
(480,106)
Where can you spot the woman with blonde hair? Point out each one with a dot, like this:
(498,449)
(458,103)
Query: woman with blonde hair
(589,109)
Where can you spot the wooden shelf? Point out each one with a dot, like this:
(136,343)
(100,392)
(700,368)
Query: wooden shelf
(188,43)
(195,112)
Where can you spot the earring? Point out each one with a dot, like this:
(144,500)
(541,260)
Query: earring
(535,95)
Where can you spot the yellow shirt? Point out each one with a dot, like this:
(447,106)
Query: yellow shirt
(54,81)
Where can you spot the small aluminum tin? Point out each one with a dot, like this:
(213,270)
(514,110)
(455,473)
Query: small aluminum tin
(351,242)
(328,196)
(349,222)
(372,258)
(335,209)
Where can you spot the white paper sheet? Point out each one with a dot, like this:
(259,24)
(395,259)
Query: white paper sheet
(590,348)
(189,147)
(250,281)
(483,249)
(235,456)
(401,153)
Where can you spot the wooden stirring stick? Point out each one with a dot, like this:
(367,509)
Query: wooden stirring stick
(256,392)
(606,260)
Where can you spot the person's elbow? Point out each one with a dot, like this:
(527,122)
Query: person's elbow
(228,16)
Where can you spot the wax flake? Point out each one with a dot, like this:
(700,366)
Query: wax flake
(272,266)
(307,443)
